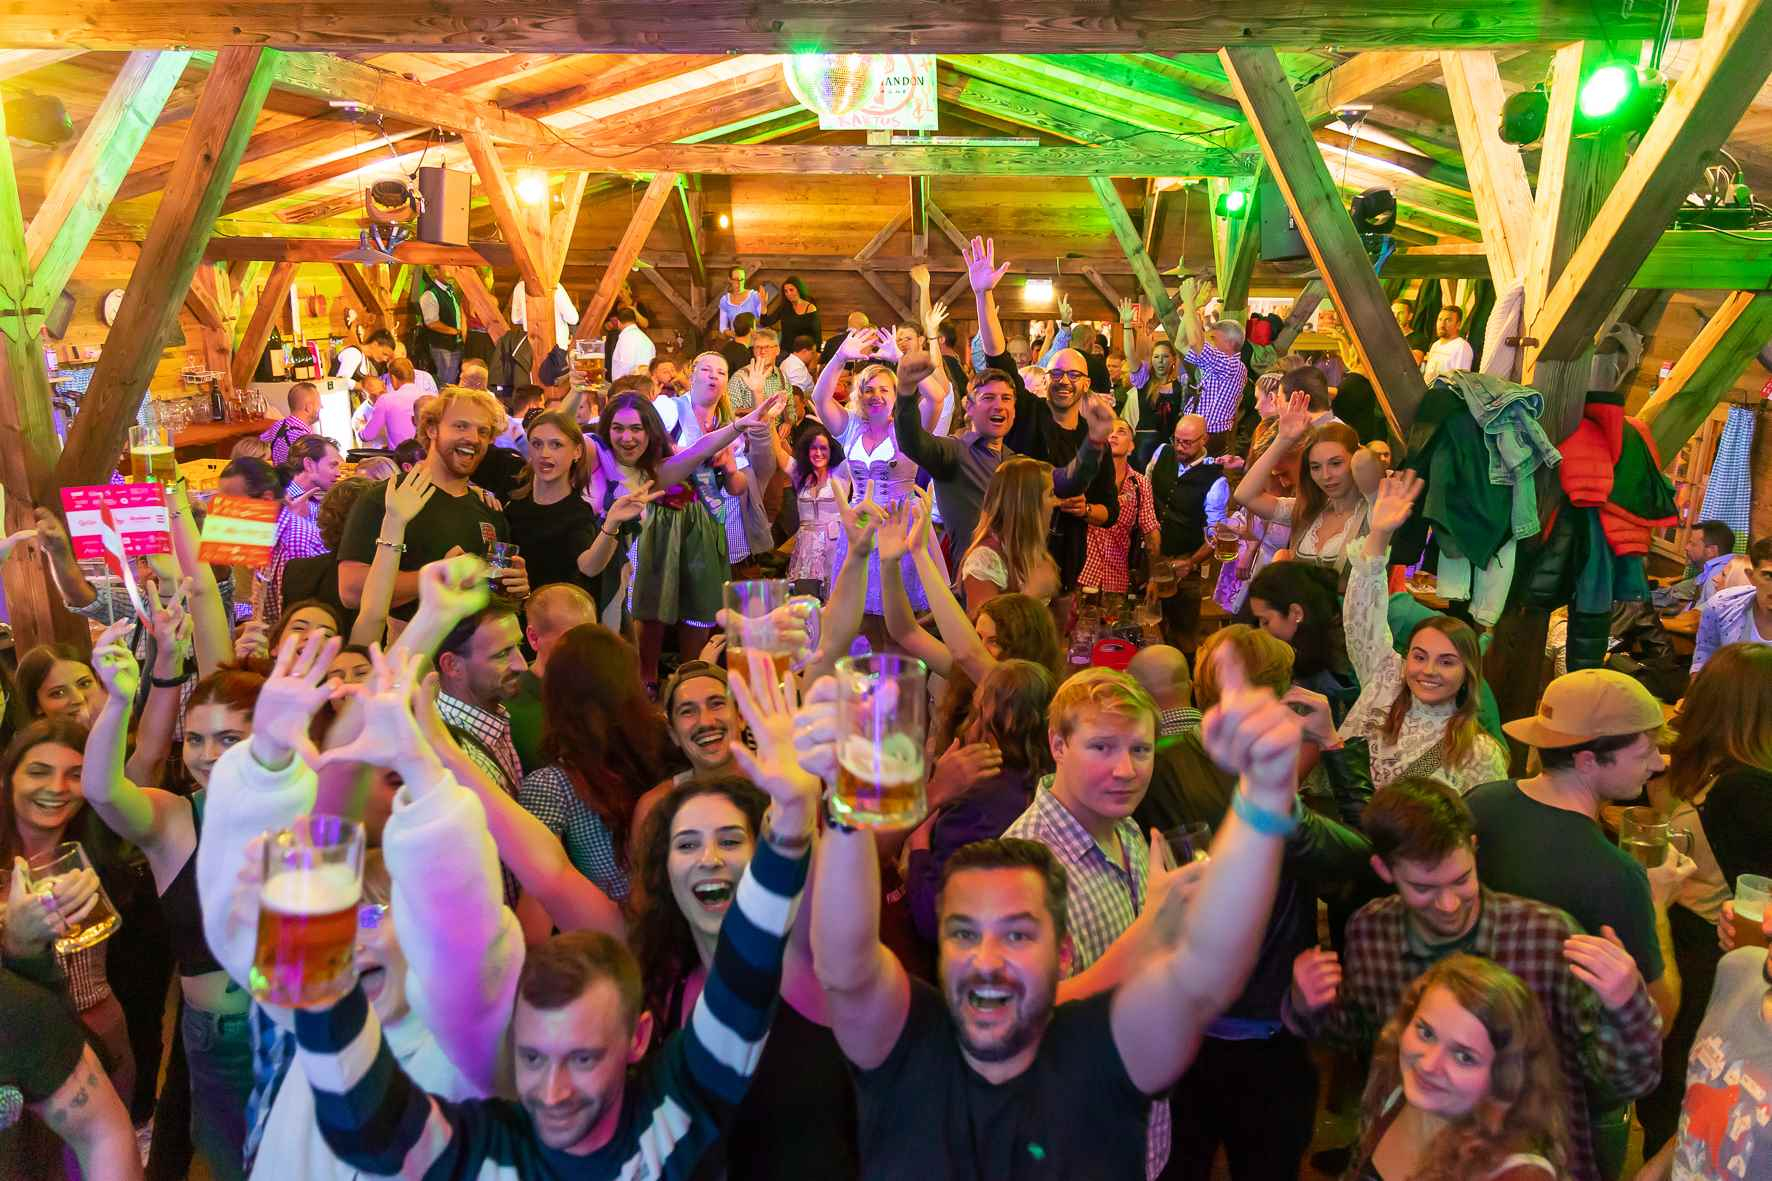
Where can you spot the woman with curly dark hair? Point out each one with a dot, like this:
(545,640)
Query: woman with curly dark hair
(797,1118)
(1465,1083)
(606,742)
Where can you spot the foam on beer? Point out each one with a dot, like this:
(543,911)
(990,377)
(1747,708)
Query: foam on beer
(327,889)
(895,761)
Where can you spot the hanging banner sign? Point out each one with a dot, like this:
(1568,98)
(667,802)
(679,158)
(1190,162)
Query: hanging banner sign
(239,531)
(866,92)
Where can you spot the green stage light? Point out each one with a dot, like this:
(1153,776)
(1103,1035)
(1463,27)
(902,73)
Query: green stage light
(1617,96)
(1605,90)
(1232,204)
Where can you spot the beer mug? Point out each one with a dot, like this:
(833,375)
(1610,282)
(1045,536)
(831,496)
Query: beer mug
(307,913)
(1225,542)
(1190,842)
(151,459)
(1752,892)
(1645,834)
(766,617)
(498,561)
(99,922)
(882,716)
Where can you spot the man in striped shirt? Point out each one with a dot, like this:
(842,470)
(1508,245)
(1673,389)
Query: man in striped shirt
(588,1108)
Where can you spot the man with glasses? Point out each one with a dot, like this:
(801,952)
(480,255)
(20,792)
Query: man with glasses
(760,379)
(1218,355)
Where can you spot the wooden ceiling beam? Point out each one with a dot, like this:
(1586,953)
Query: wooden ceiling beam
(747,26)
(1499,187)
(1162,158)
(633,241)
(481,301)
(1683,260)
(1132,244)
(1297,165)
(328,77)
(1702,108)
(327,250)
(1708,369)
(1035,112)
(233,95)
(265,315)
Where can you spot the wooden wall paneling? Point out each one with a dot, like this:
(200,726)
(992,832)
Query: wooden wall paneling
(233,95)
(1708,369)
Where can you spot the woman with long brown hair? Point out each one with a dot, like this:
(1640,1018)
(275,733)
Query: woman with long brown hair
(607,744)
(1007,553)
(1418,712)
(1465,1083)
(1329,514)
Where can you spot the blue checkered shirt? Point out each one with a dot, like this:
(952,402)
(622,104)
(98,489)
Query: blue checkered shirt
(547,793)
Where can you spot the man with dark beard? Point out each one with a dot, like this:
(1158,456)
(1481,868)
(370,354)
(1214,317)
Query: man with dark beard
(458,427)
(991,1079)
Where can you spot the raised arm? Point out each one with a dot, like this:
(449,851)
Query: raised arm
(212,632)
(840,622)
(859,344)
(607,546)
(1187,299)
(960,638)
(405,496)
(1367,607)
(896,537)
(172,641)
(939,456)
(137,815)
(984,274)
(1160,1015)
(867,989)
(1251,490)
(676,468)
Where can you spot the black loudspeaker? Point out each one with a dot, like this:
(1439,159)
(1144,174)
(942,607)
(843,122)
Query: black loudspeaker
(1280,239)
(444,219)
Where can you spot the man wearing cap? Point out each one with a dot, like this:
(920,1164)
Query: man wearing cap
(702,722)
(1597,736)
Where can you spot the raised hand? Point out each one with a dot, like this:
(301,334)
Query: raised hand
(893,535)
(629,505)
(1253,736)
(858,345)
(253,640)
(391,736)
(1098,412)
(407,495)
(756,374)
(289,698)
(886,344)
(116,669)
(920,276)
(1318,723)
(959,767)
(913,367)
(764,411)
(1127,309)
(453,587)
(860,520)
(768,707)
(815,730)
(8,544)
(938,312)
(1295,420)
(1064,308)
(982,271)
(1602,963)
(1396,498)
(513,580)
(1316,978)
(1188,291)
(50,532)
(169,622)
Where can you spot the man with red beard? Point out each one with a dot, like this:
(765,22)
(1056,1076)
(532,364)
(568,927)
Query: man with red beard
(458,427)
(990,1078)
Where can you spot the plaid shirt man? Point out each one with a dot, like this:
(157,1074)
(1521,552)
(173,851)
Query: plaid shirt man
(1103,898)
(485,737)
(281,435)
(1616,1052)
(297,537)
(1222,376)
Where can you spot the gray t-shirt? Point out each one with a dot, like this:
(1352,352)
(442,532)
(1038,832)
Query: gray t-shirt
(1725,1134)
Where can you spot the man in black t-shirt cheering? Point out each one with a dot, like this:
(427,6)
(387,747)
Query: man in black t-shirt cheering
(989,1079)
(457,427)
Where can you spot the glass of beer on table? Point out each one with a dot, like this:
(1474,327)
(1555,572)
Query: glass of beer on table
(764,616)
(307,913)
(1646,835)
(882,717)
(91,923)
(1225,542)
(151,459)
(1752,893)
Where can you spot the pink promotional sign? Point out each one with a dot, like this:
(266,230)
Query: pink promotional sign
(133,515)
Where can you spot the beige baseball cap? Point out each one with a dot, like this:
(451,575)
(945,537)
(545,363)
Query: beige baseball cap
(1587,704)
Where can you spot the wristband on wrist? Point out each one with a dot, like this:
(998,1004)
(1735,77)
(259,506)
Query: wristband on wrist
(172,682)
(398,547)
(1265,821)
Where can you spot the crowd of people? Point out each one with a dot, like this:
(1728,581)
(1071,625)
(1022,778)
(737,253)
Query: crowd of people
(1177,894)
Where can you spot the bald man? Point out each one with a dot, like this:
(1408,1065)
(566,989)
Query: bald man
(1191,495)
(303,417)
(549,613)
(857,321)
(1163,671)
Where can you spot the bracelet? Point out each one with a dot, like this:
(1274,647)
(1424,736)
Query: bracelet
(171,682)
(398,547)
(1265,821)
(607,533)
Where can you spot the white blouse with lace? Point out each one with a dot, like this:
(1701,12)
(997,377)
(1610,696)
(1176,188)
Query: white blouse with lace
(1380,670)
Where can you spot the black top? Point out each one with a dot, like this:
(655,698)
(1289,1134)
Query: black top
(792,324)
(316,578)
(552,536)
(1737,818)
(184,914)
(41,1038)
(445,522)
(737,355)
(1074,1113)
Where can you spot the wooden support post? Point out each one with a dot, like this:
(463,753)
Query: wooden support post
(1261,85)
(1703,107)
(1149,281)
(1708,369)
(683,306)
(686,211)
(209,301)
(633,240)
(1103,288)
(63,224)
(1235,243)
(233,95)
(920,216)
(1497,174)
(481,300)
(528,243)
(264,317)
(1303,308)
(946,225)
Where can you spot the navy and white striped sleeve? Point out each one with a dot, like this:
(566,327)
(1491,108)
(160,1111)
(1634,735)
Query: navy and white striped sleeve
(725,1035)
(371,1115)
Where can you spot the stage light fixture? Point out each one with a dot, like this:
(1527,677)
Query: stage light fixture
(532,186)
(1037,291)
(1523,117)
(1374,212)
(1234,203)
(1618,96)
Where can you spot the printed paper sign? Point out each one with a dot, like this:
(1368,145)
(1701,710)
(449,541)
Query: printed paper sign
(867,92)
(135,512)
(239,531)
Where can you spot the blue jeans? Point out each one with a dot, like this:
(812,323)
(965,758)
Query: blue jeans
(445,365)
(219,1055)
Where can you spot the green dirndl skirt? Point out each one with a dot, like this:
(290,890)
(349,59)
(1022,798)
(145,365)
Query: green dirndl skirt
(680,566)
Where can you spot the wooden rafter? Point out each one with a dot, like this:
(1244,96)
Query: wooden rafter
(265,316)
(327,77)
(1691,260)
(496,185)
(1708,369)
(233,95)
(1298,169)
(1735,58)
(1149,281)
(327,250)
(1158,158)
(891,300)
(480,299)
(1037,112)
(1303,308)
(686,212)
(1497,174)
(633,240)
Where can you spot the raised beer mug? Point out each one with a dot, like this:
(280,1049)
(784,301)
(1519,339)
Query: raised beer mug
(99,921)
(882,717)
(764,616)
(307,913)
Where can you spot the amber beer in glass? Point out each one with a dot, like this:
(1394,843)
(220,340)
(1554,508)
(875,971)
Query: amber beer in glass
(764,617)
(151,458)
(1646,835)
(882,716)
(1752,893)
(99,923)
(307,913)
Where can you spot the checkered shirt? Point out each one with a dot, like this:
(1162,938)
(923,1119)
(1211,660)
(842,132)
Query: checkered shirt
(1222,377)
(548,795)
(485,737)
(1618,1052)
(282,434)
(297,537)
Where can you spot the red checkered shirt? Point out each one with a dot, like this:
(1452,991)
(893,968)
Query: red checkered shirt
(1618,1052)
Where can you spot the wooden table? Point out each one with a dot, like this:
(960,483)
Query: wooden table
(213,440)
